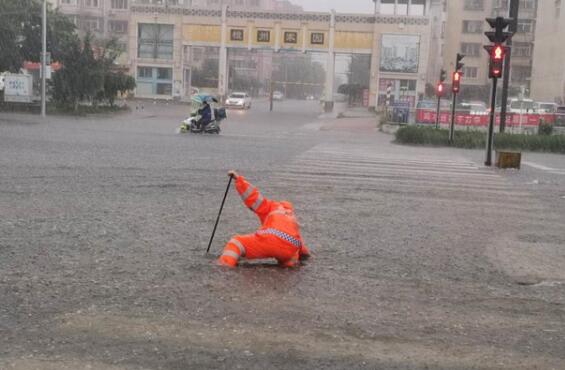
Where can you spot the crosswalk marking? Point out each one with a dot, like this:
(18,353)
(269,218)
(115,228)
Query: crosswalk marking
(341,167)
(557,171)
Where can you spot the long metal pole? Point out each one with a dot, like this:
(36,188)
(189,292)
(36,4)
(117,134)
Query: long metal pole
(452,126)
(44,60)
(490,135)
(219,214)
(438,111)
(514,9)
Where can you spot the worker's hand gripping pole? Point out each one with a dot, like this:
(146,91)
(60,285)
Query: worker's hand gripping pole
(220,213)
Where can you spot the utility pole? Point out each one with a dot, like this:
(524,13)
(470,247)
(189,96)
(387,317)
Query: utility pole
(496,52)
(44,60)
(514,10)
(455,87)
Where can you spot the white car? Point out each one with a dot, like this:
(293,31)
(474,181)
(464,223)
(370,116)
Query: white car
(277,95)
(238,100)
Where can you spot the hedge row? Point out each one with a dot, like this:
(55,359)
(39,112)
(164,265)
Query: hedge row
(430,136)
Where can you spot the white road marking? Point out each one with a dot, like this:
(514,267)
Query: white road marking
(558,171)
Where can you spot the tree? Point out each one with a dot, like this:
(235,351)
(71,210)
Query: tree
(116,83)
(81,77)
(89,74)
(20,33)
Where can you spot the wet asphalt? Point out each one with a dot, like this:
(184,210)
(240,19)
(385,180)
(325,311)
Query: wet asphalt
(423,258)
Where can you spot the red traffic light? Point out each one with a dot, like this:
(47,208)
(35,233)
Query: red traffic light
(497,54)
(439,89)
(456,81)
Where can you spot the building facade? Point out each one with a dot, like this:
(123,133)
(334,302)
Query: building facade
(104,18)
(548,74)
(464,33)
(397,39)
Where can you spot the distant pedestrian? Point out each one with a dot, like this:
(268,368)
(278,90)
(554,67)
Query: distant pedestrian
(279,236)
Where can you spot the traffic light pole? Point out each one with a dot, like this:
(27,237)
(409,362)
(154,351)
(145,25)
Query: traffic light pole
(514,9)
(438,111)
(452,126)
(490,135)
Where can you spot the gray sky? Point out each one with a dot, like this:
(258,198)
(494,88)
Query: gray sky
(342,6)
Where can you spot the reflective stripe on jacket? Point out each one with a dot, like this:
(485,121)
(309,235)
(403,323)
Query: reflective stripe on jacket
(277,218)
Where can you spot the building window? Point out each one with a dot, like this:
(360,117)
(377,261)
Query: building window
(154,81)
(197,55)
(402,7)
(155,41)
(525,26)
(90,24)
(69,2)
(470,72)
(474,5)
(472,26)
(471,49)
(501,4)
(528,4)
(521,49)
(387,7)
(91,3)
(119,4)
(418,8)
(145,72)
(118,26)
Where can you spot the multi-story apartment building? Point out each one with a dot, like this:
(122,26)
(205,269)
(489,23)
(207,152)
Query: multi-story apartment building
(464,34)
(104,18)
(548,74)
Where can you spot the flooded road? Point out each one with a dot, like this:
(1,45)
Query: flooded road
(422,258)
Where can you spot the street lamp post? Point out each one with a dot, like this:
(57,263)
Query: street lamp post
(44,60)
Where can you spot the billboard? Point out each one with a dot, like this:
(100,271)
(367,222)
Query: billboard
(400,53)
(18,88)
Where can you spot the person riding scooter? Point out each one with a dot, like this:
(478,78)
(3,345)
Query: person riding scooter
(206,114)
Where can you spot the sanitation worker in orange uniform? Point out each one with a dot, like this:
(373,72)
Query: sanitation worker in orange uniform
(279,235)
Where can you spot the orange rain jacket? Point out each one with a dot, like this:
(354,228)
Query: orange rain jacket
(279,236)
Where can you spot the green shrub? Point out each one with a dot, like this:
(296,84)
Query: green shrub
(419,135)
(545,128)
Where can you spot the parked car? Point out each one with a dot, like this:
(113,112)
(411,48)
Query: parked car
(473,107)
(277,95)
(545,108)
(521,106)
(238,100)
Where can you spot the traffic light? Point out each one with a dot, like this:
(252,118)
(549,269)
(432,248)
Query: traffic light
(442,75)
(440,89)
(498,36)
(456,81)
(497,51)
(497,54)
(458,64)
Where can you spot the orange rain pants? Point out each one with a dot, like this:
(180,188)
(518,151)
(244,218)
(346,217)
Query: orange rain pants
(279,236)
